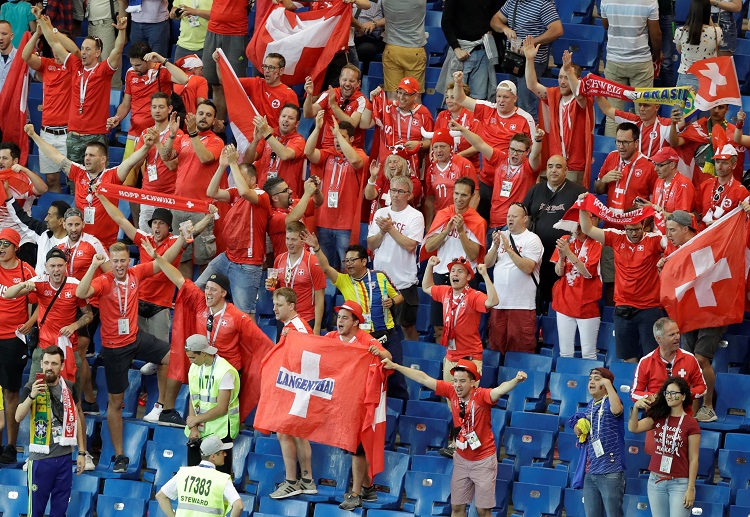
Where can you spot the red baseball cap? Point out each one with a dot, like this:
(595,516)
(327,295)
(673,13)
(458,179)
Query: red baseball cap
(442,136)
(409,85)
(352,307)
(467,366)
(665,154)
(464,262)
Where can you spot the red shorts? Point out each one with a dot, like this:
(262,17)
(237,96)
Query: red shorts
(513,330)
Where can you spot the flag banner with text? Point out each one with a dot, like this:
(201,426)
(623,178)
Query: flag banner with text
(591,203)
(157,199)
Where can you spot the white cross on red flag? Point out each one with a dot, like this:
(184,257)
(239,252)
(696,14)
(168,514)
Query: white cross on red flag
(718,82)
(703,282)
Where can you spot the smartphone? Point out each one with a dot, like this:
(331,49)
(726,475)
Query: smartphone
(178,12)
(40,376)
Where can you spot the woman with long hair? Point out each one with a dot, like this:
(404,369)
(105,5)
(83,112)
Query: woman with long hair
(677,439)
(699,39)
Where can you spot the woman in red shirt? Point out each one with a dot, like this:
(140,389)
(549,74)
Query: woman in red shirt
(575,297)
(677,440)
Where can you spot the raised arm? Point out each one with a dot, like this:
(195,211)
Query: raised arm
(283,152)
(136,157)
(606,107)
(29,50)
(84,289)
(567,69)
(39,187)
(530,50)
(201,151)
(460,95)
(536,148)
(347,149)
(642,425)
(492,297)
(178,74)
(584,219)
(117,216)
(213,190)
(49,151)
(312,242)
(298,212)
(427,280)
(415,375)
(53,40)
(122,38)
(474,139)
(312,153)
(171,272)
(507,386)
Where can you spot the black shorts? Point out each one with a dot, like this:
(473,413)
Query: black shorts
(117,361)
(405,313)
(436,308)
(13,358)
(89,330)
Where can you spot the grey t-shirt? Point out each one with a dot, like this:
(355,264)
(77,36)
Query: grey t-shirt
(55,449)
(404,22)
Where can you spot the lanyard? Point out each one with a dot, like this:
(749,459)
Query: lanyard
(717,199)
(339,167)
(291,270)
(598,420)
(462,118)
(454,306)
(398,125)
(651,137)
(467,428)
(511,171)
(123,305)
(71,252)
(210,378)
(356,292)
(564,116)
(674,437)
(93,182)
(621,167)
(665,194)
(217,324)
(84,87)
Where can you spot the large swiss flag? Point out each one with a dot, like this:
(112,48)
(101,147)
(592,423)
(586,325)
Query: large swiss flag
(307,40)
(718,82)
(703,282)
(13,102)
(240,108)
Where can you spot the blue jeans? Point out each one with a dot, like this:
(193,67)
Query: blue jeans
(475,68)
(155,34)
(668,66)
(527,100)
(667,497)
(634,337)
(244,281)
(603,494)
(334,244)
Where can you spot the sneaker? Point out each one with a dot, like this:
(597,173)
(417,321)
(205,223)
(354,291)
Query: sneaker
(153,415)
(369,494)
(9,455)
(171,418)
(286,489)
(149,369)
(705,414)
(89,463)
(90,408)
(447,452)
(121,463)
(307,487)
(351,501)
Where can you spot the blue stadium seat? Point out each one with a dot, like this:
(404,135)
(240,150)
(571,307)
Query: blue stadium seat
(163,460)
(713,494)
(332,468)
(134,445)
(431,368)
(436,46)
(267,445)
(248,504)
(271,331)
(131,393)
(705,509)
(527,420)
(264,471)
(636,459)
(419,433)
(568,393)
(86,483)
(576,365)
(433,101)
(733,354)
(290,507)
(624,376)
(171,435)
(243,444)
(604,144)
(332,510)
(568,452)
(491,357)
(543,476)
(527,396)
(14,477)
(709,451)
(637,486)
(428,409)
(535,500)
(637,505)
(528,362)
(549,333)
(376,68)
(87,488)
(388,513)
(526,447)
(427,493)
(389,483)
(732,398)
(116,155)
(431,463)
(430,351)
(433,18)
(499,420)
(743,497)
(573,503)
(14,500)
(117,506)
(424,328)
(128,488)
(431,76)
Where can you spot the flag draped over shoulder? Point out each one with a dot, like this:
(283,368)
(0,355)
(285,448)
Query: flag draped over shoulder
(13,102)
(308,41)
(240,108)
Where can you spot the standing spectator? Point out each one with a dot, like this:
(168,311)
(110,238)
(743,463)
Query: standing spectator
(195,91)
(18,14)
(672,191)
(636,294)
(393,237)
(101,15)
(576,295)
(285,209)
(454,112)
(193,18)
(405,38)
(368,35)
(674,463)
(653,130)
(666,76)
(516,254)
(150,25)
(48,233)
(518,19)
(719,196)
(698,39)
(723,14)
(7,50)
(377,188)
(634,43)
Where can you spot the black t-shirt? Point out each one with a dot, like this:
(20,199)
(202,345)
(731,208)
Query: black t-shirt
(547,207)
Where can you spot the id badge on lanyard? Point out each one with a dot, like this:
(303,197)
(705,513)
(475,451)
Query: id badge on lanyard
(665,465)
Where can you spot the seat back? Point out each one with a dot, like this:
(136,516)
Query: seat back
(424,350)
(14,477)
(527,420)
(528,362)
(636,505)
(166,459)
(431,463)
(636,459)
(734,467)
(117,506)
(529,446)
(264,471)
(130,404)
(543,476)
(390,482)
(534,499)
(134,445)
(290,507)
(576,365)
(426,489)
(332,468)
(526,396)
(128,488)
(569,394)
(573,503)
(14,500)
(420,433)
(332,510)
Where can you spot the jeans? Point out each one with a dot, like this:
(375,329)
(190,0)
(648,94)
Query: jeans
(334,244)
(527,100)
(603,494)
(475,68)
(634,337)
(668,66)
(244,281)
(667,497)
(155,34)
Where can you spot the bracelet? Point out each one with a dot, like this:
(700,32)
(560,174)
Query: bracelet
(370,182)
(317,250)
(193,135)
(268,136)
(82,453)
(164,63)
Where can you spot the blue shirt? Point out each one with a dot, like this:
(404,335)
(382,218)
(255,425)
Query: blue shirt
(610,430)
(532,17)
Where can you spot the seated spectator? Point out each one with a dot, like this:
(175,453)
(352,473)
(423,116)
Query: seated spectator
(697,39)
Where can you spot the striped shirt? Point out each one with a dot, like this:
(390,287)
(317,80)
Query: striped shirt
(610,431)
(532,17)
(628,29)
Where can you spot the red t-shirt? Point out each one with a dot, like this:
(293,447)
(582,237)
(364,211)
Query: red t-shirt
(196,87)
(63,311)
(440,182)
(653,137)
(466,320)
(246,236)
(96,84)
(573,295)
(15,311)
(57,93)
(477,419)
(497,130)
(466,119)
(157,289)
(342,180)
(361,337)
(120,300)
(81,254)
(676,447)
(296,324)
(399,127)
(165,179)
(636,277)
(710,199)
(508,187)
(357,103)
(141,88)
(698,132)
(228,18)
(638,179)
(268,100)
(193,176)
(277,225)
(268,165)
(104,228)
(678,195)
(304,276)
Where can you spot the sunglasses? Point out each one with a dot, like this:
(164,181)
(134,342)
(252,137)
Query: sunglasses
(5,244)
(521,206)
(210,322)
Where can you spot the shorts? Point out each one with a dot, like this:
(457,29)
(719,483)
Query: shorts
(474,480)
(400,62)
(513,330)
(157,325)
(13,358)
(436,308)
(117,360)
(703,341)
(405,313)
(233,47)
(46,165)
(448,365)
(204,244)
(607,265)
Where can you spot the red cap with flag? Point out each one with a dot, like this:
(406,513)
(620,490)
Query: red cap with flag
(442,136)
(409,85)
(189,62)
(724,150)
(352,307)
(464,263)
(665,154)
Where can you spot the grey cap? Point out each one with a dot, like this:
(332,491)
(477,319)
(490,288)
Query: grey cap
(212,444)
(682,218)
(199,343)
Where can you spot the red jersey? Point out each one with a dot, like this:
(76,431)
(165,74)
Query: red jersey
(341,189)
(157,177)
(119,301)
(651,373)
(700,132)
(653,137)
(510,185)
(678,195)
(193,176)
(566,124)
(460,144)
(268,165)
(81,254)
(141,88)
(636,277)
(63,312)
(89,96)
(305,276)
(638,179)
(295,324)
(196,88)
(440,181)
(465,314)
(714,200)
(361,337)
(399,127)
(246,237)
(357,103)
(268,100)
(57,93)
(15,311)
(497,130)
(228,18)
(477,419)
(574,295)
(277,225)
(671,436)
(104,227)
(157,289)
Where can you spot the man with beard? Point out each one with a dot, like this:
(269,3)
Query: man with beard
(285,209)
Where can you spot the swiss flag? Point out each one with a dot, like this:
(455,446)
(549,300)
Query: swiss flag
(308,41)
(703,282)
(240,108)
(374,424)
(718,82)
(13,102)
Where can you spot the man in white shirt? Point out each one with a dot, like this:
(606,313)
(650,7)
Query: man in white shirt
(393,236)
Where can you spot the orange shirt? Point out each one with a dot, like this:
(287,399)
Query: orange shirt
(245,237)
(357,103)
(268,165)
(574,295)
(196,87)
(340,182)
(678,195)
(81,254)
(228,18)
(63,312)
(508,186)
(466,317)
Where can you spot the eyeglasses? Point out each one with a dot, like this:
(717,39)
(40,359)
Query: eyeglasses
(270,68)
(353,260)
(210,322)
(668,366)
(521,206)
(284,191)
(399,191)
(516,151)
(461,260)
(717,194)
(623,143)
(672,394)
(5,244)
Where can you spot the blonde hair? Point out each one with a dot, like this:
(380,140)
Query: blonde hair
(403,170)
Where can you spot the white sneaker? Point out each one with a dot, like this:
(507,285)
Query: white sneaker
(149,369)
(89,462)
(153,415)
